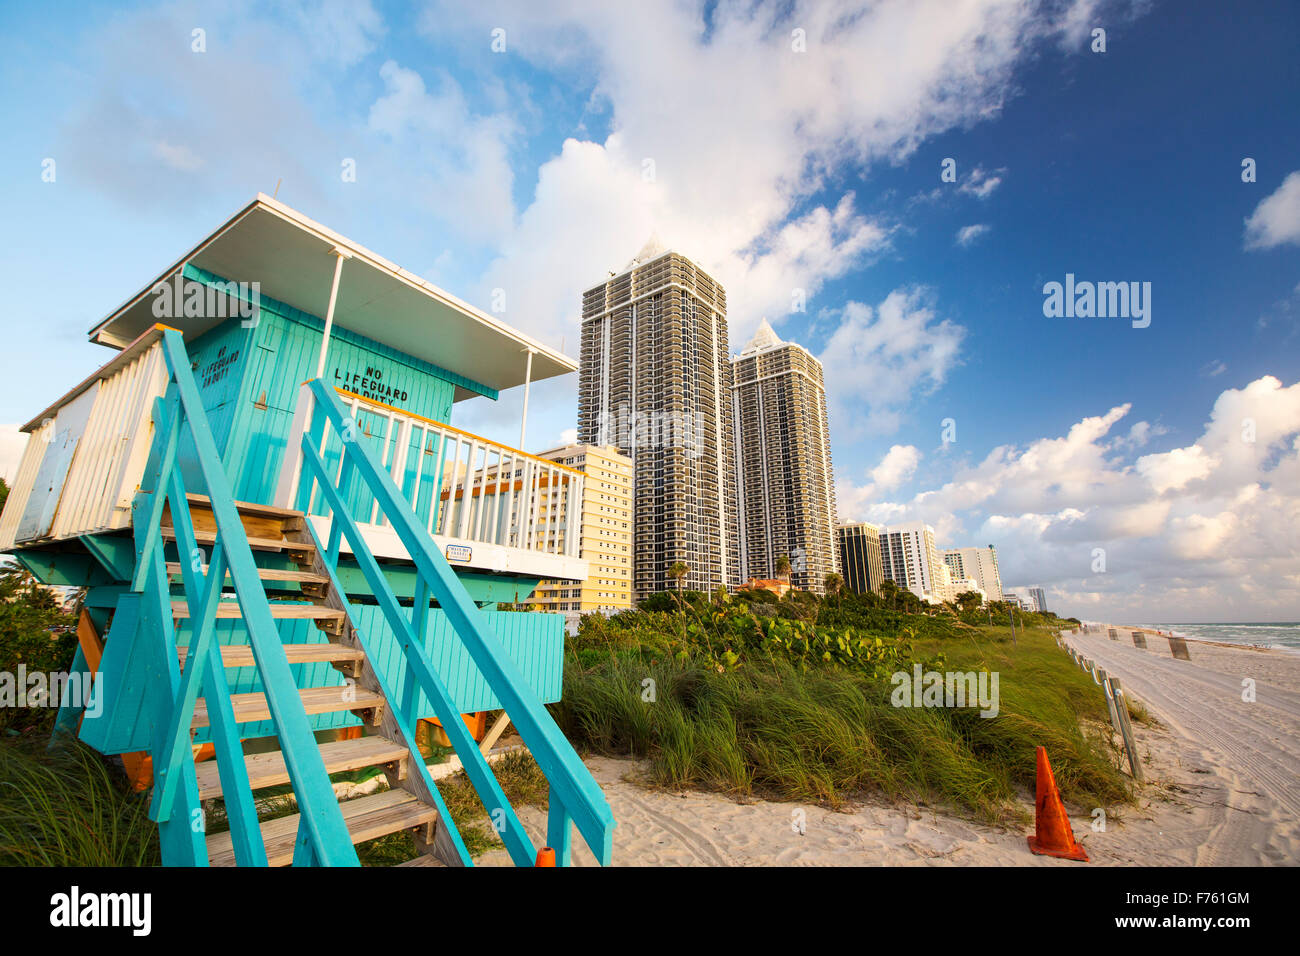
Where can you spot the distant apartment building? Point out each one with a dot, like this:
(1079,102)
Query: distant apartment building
(979,565)
(783,462)
(952,588)
(1030,599)
(655,383)
(605,535)
(910,559)
(860,558)
(1040,599)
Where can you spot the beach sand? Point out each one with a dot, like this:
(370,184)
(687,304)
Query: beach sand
(1223,781)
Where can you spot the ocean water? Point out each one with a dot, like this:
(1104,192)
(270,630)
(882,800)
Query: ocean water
(1280,634)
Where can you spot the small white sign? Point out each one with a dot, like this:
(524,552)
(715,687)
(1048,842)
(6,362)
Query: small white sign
(458,552)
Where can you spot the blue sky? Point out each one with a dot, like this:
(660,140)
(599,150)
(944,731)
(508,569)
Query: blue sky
(776,169)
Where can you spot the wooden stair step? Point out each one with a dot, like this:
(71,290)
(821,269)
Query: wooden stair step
(241,655)
(367,818)
(246,507)
(315,700)
(254,542)
(293,612)
(267,574)
(424,859)
(268,769)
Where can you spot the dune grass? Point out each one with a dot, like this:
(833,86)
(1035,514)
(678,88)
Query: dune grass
(828,735)
(69,808)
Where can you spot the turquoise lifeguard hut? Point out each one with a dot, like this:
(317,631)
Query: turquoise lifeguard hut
(292,556)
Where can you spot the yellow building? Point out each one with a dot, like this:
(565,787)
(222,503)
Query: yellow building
(606,533)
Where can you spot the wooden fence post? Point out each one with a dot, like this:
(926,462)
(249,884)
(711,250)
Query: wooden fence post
(1130,744)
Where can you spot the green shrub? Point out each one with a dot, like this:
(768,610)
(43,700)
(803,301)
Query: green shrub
(792,725)
(36,634)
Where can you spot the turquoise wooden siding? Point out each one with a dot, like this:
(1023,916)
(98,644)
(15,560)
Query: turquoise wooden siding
(220,359)
(250,388)
(534,641)
(285,356)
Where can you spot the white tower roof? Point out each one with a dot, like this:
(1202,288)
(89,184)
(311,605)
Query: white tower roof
(653,249)
(764,338)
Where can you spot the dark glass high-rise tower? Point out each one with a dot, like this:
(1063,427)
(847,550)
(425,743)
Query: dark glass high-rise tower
(655,382)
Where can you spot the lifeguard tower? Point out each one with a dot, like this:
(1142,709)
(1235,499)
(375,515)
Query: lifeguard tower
(284,540)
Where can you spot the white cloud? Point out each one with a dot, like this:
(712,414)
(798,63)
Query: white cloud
(878,358)
(1175,468)
(968,234)
(981,183)
(258,105)
(441,155)
(895,468)
(1206,531)
(738,204)
(898,465)
(749,141)
(1276,220)
(340,31)
(1139,435)
(12,443)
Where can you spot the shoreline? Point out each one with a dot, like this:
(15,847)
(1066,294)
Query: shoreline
(1148,629)
(1231,645)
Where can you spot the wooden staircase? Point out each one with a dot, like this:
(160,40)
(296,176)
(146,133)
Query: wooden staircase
(304,592)
(276,567)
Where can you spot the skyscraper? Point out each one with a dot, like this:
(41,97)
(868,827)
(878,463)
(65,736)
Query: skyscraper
(860,559)
(783,462)
(978,564)
(655,383)
(911,561)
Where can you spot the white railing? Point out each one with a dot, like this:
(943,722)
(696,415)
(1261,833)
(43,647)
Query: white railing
(86,453)
(466,489)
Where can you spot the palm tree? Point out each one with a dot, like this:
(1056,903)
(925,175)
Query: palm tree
(783,568)
(678,571)
(833,583)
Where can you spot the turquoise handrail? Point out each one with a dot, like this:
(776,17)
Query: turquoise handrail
(323,837)
(575,798)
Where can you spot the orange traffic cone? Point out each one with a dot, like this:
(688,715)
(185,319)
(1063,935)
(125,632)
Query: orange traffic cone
(1052,833)
(545,857)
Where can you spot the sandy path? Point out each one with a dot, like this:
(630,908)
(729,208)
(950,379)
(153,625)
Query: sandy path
(1252,747)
